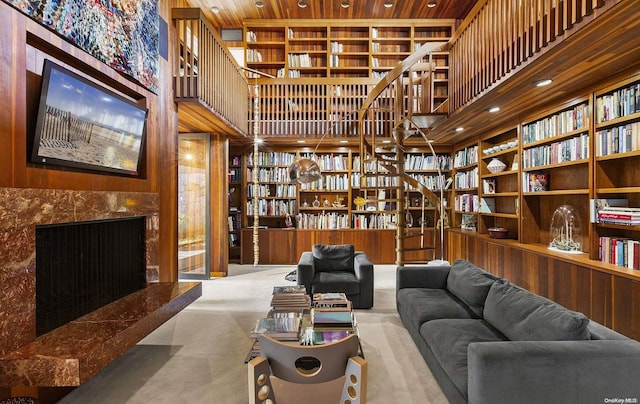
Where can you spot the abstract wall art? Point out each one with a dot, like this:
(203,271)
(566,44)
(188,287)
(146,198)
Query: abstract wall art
(121,33)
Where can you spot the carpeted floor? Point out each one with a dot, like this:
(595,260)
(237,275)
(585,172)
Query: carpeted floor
(198,356)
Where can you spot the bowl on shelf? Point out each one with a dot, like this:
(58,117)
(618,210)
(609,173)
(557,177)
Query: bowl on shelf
(498,232)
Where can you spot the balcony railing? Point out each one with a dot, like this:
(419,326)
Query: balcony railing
(504,35)
(206,73)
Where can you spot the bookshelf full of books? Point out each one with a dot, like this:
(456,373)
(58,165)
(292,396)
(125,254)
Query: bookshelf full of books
(616,174)
(466,202)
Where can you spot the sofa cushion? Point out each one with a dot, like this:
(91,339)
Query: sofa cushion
(449,339)
(336,281)
(420,304)
(470,284)
(333,257)
(525,316)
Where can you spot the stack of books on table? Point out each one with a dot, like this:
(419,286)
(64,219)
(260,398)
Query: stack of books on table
(283,326)
(331,301)
(331,320)
(290,298)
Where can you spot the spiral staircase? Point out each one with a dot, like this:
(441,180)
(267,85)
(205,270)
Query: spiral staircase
(414,116)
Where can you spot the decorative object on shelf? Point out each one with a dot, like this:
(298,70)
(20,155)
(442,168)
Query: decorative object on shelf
(538,182)
(359,202)
(326,203)
(496,166)
(316,202)
(498,232)
(514,165)
(565,230)
(305,204)
(337,203)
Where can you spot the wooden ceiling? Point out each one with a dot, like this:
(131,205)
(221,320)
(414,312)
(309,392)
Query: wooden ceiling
(232,12)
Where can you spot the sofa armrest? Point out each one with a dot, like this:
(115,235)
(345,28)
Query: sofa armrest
(305,271)
(431,277)
(553,371)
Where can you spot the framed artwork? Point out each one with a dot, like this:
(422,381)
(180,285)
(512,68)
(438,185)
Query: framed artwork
(123,34)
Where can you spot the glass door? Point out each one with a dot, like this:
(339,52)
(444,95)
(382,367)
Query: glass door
(193,206)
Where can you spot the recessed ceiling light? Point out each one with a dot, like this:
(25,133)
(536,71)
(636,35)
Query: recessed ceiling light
(302,4)
(494,109)
(300,140)
(259,4)
(459,129)
(259,140)
(344,141)
(542,83)
(344,4)
(432,4)
(215,9)
(388,4)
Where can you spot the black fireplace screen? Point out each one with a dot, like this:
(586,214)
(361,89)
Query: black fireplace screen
(83,266)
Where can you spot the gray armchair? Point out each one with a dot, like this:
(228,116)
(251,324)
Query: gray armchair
(338,268)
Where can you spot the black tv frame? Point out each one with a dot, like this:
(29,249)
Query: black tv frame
(105,153)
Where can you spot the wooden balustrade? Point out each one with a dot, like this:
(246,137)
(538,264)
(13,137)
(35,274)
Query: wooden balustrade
(308,107)
(207,74)
(503,35)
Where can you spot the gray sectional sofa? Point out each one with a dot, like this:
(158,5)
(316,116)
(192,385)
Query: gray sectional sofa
(489,341)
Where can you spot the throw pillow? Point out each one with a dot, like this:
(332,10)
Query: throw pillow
(525,316)
(470,284)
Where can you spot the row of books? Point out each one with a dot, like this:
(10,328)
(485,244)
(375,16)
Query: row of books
(619,139)
(622,102)
(328,182)
(273,174)
(272,207)
(466,203)
(558,124)
(559,152)
(272,158)
(427,162)
(276,190)
(254,55)
(466,156)
(330,220)
(466,179)
(300,60)
(622,252)
(292,73)
(374,221)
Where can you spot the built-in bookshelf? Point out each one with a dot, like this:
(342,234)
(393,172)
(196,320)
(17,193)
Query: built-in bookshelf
(326,48)
(555,168)
(235,202)
(616,172)
(267,179)
(498,187)
(465,185)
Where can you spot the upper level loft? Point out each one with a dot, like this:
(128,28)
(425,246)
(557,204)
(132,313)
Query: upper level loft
(324,70)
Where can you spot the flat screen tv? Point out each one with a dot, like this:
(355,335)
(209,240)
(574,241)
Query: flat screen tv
(86,126)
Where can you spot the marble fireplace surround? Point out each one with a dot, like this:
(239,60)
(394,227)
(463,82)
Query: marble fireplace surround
(100,336)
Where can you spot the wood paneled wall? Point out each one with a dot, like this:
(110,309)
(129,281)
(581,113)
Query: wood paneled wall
(24,44)
(607,298)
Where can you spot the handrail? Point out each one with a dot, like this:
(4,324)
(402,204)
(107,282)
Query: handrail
(500,37)
(206,72)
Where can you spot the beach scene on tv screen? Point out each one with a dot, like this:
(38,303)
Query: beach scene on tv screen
(85,125)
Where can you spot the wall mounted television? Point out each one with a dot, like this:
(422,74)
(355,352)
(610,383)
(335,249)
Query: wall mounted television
(83,125)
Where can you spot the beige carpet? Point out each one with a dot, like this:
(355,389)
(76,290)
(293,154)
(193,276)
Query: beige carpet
(198,356)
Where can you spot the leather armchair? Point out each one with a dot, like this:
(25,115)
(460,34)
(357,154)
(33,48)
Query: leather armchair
(337,268)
